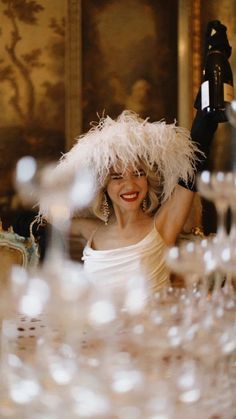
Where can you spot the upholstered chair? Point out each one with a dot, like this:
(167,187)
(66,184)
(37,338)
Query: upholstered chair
(16,250)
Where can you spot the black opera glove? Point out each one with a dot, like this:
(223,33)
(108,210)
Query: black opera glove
(202,132)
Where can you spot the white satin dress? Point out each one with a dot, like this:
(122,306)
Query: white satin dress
(143,259)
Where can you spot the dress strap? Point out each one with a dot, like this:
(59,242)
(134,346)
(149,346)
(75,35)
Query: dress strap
(90,240)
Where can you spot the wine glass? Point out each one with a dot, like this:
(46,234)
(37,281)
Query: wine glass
(231,112)
(232,206)
(215,187)
(195,260)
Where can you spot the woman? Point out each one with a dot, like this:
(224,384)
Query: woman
(133,239)
(144,191)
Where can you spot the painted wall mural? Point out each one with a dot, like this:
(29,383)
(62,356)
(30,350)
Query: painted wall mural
(32,100)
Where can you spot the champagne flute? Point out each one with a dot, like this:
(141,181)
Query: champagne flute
(195,260)
(231,112)
(215,187)
(232,206)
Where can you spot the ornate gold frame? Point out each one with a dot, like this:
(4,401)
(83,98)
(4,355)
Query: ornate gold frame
(189,58)
(73,73)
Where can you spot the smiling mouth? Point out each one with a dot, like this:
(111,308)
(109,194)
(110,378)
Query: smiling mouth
(130,197)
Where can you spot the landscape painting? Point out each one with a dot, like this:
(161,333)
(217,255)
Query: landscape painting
(32,117)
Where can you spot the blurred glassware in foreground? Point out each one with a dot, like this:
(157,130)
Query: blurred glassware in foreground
(117,351)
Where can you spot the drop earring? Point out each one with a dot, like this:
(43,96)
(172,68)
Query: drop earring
(105,209)
(144,204)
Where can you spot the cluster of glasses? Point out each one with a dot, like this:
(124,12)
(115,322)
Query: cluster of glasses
(73,349)
(115,353)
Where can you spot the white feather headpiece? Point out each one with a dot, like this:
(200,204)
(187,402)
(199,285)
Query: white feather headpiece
(163,148)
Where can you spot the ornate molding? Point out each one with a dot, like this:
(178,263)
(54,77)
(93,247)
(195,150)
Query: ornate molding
(73,72)
(189,58)
(196,48)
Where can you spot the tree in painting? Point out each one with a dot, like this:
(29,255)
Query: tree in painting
(32,80)
(23,11)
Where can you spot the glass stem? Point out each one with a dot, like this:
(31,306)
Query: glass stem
(221,218)
(57,250)
(233,222)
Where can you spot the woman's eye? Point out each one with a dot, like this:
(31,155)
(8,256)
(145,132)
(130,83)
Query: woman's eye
(116,176)
(139,173)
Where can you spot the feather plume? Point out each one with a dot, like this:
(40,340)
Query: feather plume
(164,148)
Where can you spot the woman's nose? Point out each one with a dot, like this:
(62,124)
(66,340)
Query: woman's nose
(129,179)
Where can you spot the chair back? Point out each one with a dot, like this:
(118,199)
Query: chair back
(16,250)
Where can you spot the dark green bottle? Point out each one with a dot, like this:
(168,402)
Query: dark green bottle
(217,87)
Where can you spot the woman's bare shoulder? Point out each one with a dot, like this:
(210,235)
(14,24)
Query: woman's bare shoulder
(84,227)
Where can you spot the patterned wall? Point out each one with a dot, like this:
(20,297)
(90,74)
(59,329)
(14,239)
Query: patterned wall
(32,71)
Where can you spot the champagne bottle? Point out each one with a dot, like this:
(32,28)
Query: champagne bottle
(217,87)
